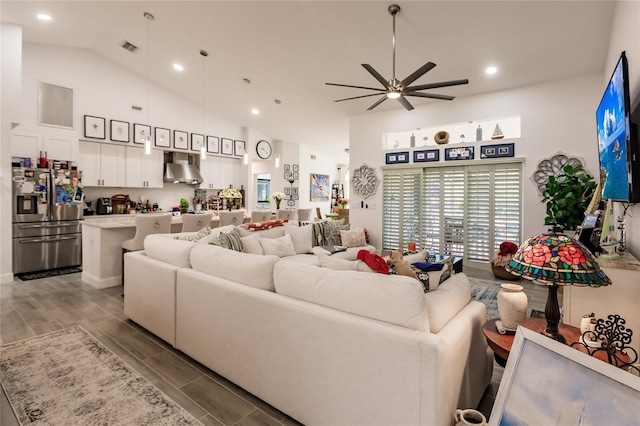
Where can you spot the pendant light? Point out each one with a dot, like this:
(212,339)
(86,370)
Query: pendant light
(147,139)
(247,82)
(203,150)
(277,102)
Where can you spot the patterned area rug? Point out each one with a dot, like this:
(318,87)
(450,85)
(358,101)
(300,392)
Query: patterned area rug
(69,378)
(486,291)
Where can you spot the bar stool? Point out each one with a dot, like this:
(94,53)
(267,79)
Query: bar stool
(231,218)
(286,214)
(146,225)
(304,214)
(195,222)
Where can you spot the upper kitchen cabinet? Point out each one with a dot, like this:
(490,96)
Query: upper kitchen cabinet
(29,145)
(102,164)
(144,171)
(220,172)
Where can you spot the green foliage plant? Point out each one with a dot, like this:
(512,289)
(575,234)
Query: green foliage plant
(184,204)
(567,196)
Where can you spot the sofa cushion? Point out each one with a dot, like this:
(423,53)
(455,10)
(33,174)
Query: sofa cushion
(249,269)
(353,238)
(206,231)
(397,300)
(332,232)
(444,303)
(281,247)
(215,233)
(301,237)
(251,244)
(170,250)
(337,264)
(231,240)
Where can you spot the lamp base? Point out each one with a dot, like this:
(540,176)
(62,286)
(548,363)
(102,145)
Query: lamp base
(555,336)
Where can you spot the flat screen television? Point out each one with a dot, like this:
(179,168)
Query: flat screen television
(618,140)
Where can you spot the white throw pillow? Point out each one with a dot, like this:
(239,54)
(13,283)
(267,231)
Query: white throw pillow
(281,247)
(251,244)
(301,237)
(330,262)
(353,238)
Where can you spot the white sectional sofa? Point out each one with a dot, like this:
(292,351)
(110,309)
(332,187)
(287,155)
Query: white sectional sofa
(324,346)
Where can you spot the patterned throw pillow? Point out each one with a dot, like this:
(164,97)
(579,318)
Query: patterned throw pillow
(353,238)
(317,235)
(261,226)
(197,236)
(231,240)
(332,232)
(446,271)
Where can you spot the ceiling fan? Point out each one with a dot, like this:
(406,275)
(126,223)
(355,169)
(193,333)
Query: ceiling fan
(395,89)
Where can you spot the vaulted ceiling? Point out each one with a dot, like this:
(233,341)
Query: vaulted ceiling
(289,49)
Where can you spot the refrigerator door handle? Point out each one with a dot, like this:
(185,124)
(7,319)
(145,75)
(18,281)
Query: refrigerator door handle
(40,240)
(47,225)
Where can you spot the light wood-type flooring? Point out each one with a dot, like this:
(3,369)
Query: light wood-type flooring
(31,308)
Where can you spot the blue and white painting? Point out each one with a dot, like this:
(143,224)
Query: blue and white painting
(612,138)
(550,389)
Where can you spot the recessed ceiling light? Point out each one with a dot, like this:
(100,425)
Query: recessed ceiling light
(43,17)
(178,67)
(491,70)
(255,111)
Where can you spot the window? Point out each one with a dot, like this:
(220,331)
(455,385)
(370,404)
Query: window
(461,210)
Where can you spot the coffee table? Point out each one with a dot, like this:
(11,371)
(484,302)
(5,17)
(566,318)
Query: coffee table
(457,262)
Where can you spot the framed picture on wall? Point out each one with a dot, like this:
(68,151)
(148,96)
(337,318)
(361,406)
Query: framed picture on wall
(94,127)
(213,144)
(180,139)
(287,190)
(291,203)
(294,196)
(320,187)
(227,146)
(296,168)
(197,141)
(239,148)
(286,167)
(497,151)
(452,154)
(162,137)
(426,155)
(119,131)
(140,133)
(287,175)
(397,157)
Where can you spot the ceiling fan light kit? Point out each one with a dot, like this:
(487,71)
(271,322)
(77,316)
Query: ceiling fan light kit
(396,89)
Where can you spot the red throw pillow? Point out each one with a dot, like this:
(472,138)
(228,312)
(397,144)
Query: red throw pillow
(374,261)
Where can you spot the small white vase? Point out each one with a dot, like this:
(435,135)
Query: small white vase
(469,417)
(512,305)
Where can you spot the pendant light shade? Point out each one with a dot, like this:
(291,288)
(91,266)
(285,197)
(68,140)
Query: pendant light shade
(203,148)
(147,139)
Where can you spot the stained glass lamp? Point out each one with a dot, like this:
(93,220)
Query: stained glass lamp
(554,260)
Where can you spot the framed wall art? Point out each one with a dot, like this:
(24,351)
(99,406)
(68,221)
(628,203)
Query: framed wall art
(572,388)
(94,127)
(287,190)
(426,155)
(291,203)
(287,175)
(180,139)
(227,146)
(296,175)
(140,133)
(295,196)
(197,141)
(162,137)
(320,187)
(451,154)
(296,168)
(239,148)
(286,167)
(213,144)
(119,131)
(497,151)
(55,105)
(396,157)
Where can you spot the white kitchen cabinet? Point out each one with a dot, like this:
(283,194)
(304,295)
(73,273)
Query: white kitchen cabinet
(210,171)
(25,144)
(220,172)
(144,171)
(102,164)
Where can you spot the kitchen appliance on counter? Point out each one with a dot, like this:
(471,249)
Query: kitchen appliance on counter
(104,206)
(47,209)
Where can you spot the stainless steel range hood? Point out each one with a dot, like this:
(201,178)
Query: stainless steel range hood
(180,167)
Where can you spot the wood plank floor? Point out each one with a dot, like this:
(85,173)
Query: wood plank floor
(31,308)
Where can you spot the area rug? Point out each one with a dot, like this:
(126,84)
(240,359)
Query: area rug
(69,378)
(486,291)
(48,274)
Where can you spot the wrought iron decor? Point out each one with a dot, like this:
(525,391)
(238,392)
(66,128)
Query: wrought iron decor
(552,166)
(611,337)
(364,181)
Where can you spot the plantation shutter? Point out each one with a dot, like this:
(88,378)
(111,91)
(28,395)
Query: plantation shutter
(507,203)
(401,211)
(478,214)
(453,201)
(431,206)
(391,186)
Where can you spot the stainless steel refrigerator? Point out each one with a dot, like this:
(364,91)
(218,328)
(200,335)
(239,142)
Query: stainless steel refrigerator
(47,210)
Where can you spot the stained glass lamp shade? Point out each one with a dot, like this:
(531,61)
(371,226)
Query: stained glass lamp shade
(555,260)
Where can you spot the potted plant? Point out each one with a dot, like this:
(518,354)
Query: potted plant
(567,196)
(184,205)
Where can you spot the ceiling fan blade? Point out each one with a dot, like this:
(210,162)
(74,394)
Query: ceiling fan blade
(376,74)
(357,97)
(431,96)
(436,85)
(378,102)
(355,87)
(417,74)
(405,103)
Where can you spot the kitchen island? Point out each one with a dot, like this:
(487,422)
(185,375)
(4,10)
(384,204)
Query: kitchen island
(102,238)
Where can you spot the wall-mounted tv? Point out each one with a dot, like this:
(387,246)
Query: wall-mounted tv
(618,140)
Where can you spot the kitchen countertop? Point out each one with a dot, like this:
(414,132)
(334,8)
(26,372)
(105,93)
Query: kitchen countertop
(112,221)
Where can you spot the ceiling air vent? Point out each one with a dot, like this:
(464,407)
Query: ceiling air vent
(128,46)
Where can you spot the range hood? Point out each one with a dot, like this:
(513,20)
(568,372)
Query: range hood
(181,168)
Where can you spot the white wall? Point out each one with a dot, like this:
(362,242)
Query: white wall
(556,116)
(11,83)
(626,36)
